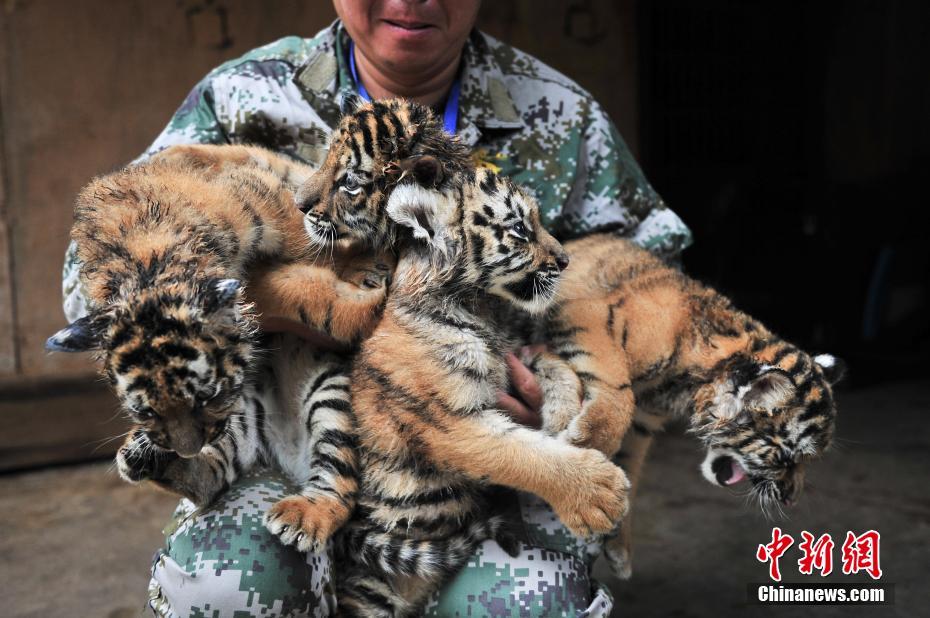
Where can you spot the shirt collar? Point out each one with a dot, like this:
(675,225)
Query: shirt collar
(484,103)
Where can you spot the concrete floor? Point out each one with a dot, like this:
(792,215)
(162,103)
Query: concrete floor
(77,541)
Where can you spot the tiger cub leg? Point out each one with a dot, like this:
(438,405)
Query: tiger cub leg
(316,297)
(200,479)
(603,368)
(214,158)
(204,157)
(618,548)
(326,501)
(561,390)
(394,554)
(376,593)
(587,491)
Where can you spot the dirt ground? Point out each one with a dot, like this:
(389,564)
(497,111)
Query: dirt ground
(77,541)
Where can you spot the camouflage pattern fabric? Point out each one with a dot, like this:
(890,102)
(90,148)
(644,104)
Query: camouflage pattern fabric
(221,562)
(521,117)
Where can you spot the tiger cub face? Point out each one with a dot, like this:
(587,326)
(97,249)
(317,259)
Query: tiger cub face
(375,147)
(485,233)
(175,356)
(764,422)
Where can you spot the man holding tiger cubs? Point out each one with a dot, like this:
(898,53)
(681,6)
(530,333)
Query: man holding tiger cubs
(520,118)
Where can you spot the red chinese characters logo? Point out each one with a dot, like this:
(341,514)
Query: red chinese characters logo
(817,555)
(860,553)
(771,552)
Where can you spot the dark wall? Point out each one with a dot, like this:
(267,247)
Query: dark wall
(794,137)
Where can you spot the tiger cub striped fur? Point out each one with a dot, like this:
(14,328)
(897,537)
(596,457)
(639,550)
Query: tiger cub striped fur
(424,391)
(648,343)
(165,246)
(295,415)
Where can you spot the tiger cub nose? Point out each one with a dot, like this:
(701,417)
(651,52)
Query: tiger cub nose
(306,205)
(561,260)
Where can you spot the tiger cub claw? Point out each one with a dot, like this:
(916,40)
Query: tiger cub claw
(597,501)
(306,522)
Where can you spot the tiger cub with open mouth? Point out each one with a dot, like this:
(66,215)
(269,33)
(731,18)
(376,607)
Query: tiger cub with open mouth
(647,343)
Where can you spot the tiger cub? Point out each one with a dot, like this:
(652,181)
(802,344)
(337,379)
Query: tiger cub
(165,246)
(645,335)
(376,146)
(424,389)
(293,414)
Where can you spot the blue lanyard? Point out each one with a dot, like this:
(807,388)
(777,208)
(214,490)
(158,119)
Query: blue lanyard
(450,115)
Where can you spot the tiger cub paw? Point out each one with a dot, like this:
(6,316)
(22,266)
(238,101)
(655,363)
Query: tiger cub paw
(576,435)
(374,275)
(306,522)
(140,460)
(596,500)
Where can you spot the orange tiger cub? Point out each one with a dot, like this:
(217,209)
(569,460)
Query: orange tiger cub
(645,340)
(339,292)
(166,246)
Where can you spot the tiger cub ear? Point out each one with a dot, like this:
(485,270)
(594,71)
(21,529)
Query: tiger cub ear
(425,169)
(769,391)
(80,336)
(423,212)
(834,369)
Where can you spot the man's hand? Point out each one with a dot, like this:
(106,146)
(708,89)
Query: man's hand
(524,407)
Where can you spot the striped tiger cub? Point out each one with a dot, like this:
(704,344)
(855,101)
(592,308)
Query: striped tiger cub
(644,339)
(165,247)
(424,389)
(303,425)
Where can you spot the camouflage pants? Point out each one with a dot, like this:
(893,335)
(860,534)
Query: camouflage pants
(220,562)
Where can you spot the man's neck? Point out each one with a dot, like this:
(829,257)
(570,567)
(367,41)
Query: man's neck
(428,89)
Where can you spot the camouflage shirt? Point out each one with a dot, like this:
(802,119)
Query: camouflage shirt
(521,117)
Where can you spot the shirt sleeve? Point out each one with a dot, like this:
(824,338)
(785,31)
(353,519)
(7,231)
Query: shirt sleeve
(611,193)
(195,122)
